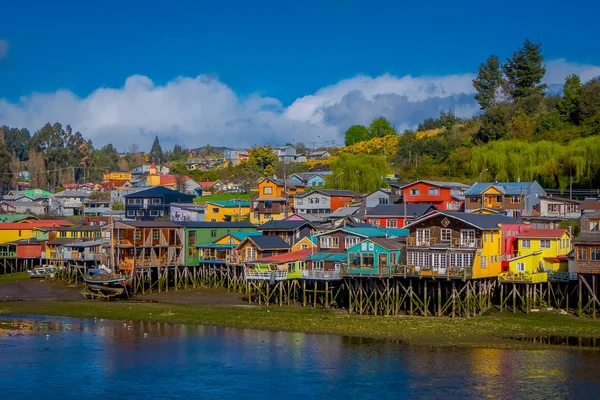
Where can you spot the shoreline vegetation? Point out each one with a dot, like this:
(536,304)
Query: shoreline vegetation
(494,330)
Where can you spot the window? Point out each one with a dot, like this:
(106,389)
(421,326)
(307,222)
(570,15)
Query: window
(553,207)
(572,208)
(595,254)
(410,258)
(595,225)
(215,210)
(376,222)
(415,192)
(467,238)
(318,265)
(391,223)
(498,199)
(329,242)
(520,267)
(484,262)
(438,260)
(268,204)
(351,241)
(515,199)
(423,237)
(434,191)
(299,202)
(446,235)
(303,247)
(155,234)
(526,243)
(545,244)
(423,259)
(140,213)
(267,190)
(138,235)
(453,205)
(383,200)
(154,213)
(250,253)
(582,253)
(393,258)
(473,199)
(130,213)
(191,238)
(492,237)
(267,215)
(367,259)
(155,201)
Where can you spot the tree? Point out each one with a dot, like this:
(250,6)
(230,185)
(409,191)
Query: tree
(381,127)
(525,70)
(521,126)
(355,134)
(361,173)
(568,105)
(37,170)
(156,153)
(16,141)
(494,123)
(487,83)
(260,159)
(589,100)
(6,179)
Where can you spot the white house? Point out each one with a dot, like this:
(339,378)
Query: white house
(68,203)
(559,207)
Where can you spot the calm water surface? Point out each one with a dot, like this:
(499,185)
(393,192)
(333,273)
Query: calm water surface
(93,359)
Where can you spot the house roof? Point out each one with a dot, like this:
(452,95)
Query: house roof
(33,224)
(508,188)
(267,242)
(319,153)
(314,218)
(397,210)
(585,238)
(206,185)
(323,256)
(590,204)
(230,203)
(72,193)
(285,225)
(563,199)
(388,244)
(243,235)
(370,232)
(326,192)
(157,191)
(542,233)
(344,212)
(481,221)
(152,224)
(305,176)
(28,204)
(215,225)
(448,185)
(8,218)
(62,241)
(90,243)
(299,255)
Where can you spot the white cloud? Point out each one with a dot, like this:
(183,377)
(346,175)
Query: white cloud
(558,70)
(3,49)
(201,110)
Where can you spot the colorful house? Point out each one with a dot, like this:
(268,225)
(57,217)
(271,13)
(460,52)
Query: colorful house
(322,201)
(290,231)
(271,202)
(455,244)
(182,183)
(307,242)
(12,232)
(278,267)
(542,253)
(258,247)
(397,215)
(311,179)
(226,211)
(117,176)
(443,195)
(222,250)
(516,199)
(153,203)
(374,257)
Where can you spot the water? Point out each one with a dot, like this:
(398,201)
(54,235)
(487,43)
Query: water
(93,359)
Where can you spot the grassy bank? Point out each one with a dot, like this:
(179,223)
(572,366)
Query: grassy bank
(19,276)
(486,331)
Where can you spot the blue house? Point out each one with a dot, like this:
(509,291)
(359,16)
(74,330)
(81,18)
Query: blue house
(153,203)
(311,179)
(374,257)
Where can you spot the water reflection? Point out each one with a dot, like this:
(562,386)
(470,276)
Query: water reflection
(182,361)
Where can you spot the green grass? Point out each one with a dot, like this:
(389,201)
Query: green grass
(19,276)
(485,331)
(223,197)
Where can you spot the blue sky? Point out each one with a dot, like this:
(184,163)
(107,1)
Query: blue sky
(262,59)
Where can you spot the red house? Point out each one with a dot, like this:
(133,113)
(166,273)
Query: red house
(395,215)
(449,196)
(510,242)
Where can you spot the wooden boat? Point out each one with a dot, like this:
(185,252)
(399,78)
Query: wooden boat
(101,282)
(41,272)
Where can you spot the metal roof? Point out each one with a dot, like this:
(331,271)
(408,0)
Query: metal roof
(157,191)
(509,188)
(397,210)
(481,221)
(323,256)
(327,192)
(215,225)
(268,242)
(282,225)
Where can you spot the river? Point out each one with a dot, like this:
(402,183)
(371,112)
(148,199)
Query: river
(68,358)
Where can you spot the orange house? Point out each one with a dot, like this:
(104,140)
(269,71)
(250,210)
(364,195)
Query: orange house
(448,196)
(322,201)
(271,201)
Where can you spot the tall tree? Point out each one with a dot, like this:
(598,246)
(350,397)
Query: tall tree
(589,100)
(487,83)
(381,127)
(6,175)
(16,141)
(361,173)
(355,134)
(156,153)
(37,170)
(262,160)
(525,70)
(568,105)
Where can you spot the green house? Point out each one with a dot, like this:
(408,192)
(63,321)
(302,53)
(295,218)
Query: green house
(374,257)
(204,233)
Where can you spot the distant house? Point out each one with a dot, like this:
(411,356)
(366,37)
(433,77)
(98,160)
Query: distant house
(116,185)
(235,156)
(23,207)
(322,201)
(271,201)
(117,176)
(285,154)
(227,211)
(186,212)
(68,203)
(290,231)
(319,154)
(301,158)
(187,185)
(514,198)
(311,179)
(380,196)
(256,247)
(397,215)
(118,195)
(153,203)
(443,195)
(559,207)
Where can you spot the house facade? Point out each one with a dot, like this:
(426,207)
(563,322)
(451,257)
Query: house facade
(380,196)
(285,154)
(68,203)
(186,212)
(587,245)
(396,215)
(257,247)
(153,203)
(374,257)
(516,199)
(311,179)
(559,208)
(117,176)
(445,196)
(272,200)
(322,201)
(227,211)
(289,230)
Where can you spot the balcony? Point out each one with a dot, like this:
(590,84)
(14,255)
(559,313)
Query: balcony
(454,243)
(523,277)
(489,202)
(433,272)
(321,275)
(256,275)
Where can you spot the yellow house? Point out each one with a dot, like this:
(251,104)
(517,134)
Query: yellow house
(271,203)
(117,176)
(226,211)
(236,237)
(11,232)
(307,242)
(541,252)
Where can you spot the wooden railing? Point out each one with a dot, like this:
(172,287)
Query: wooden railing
(538,277)
(324,275)
(428,271)
(253,274)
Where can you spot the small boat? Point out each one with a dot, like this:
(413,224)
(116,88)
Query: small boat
(101,282)
(41,272)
